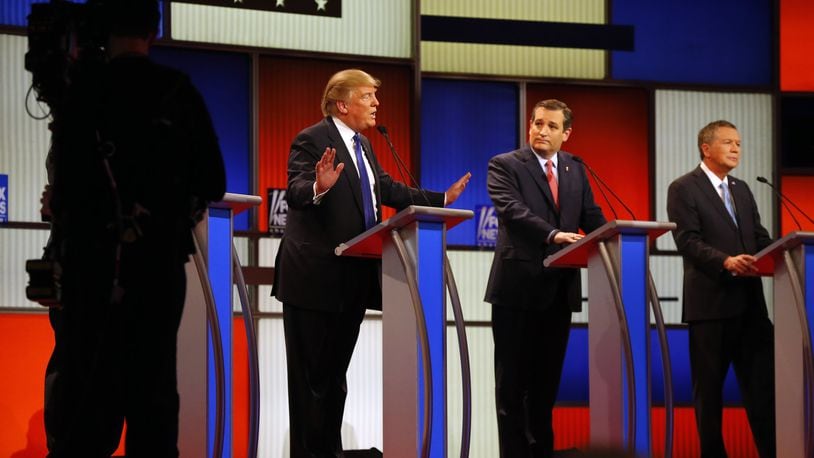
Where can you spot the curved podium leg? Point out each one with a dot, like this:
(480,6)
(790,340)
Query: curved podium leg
(794,305)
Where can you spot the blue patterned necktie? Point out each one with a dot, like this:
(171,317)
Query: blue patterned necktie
(728,201)
(367,197)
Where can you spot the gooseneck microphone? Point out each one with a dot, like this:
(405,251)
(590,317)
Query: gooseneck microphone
(783,200)
(400,166)
(605,185)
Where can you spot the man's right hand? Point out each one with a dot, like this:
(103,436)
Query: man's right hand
(742,264)
(325,171)
(566,237)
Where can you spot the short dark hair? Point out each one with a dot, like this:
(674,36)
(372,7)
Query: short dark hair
(556,105)
(707,133)
(130,18)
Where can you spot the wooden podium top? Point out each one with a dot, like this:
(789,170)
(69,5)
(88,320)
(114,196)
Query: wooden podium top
(368,244)
(767,257)
(576,254)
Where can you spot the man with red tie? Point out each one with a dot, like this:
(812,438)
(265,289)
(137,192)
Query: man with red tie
(542,198)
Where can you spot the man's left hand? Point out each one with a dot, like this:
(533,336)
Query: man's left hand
(457,188)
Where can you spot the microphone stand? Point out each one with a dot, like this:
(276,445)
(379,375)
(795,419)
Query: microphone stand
(605,185)
(400,165)
(783,200)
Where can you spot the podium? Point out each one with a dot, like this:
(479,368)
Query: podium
(205,335)
(791,261)
(412,247)
(616,256)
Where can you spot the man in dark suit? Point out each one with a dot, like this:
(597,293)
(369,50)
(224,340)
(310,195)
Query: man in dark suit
(717,231)
(542,198)
(324,296)
(122,232)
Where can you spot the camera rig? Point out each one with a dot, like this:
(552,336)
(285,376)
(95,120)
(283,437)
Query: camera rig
(63,39)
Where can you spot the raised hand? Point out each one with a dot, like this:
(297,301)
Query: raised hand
(325,171)
(457,188)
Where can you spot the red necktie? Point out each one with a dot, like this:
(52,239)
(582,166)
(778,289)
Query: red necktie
(552,182)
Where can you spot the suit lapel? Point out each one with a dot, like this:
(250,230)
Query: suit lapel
(349,173)
(711,194)
(537,174)
(564,181)
(741,201)
(367,150)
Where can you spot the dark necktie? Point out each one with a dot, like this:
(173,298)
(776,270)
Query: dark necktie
(367,197)
(552,182)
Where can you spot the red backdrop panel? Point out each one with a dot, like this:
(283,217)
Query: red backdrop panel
(798,189)
(572,430)
(796,41)
(290,91)
(26,341)
(610,131)
(240,390)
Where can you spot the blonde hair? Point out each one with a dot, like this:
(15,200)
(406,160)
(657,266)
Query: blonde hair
(341,86)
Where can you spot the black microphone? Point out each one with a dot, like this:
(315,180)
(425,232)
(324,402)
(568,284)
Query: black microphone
(400,165)
(783,200)
(603,184)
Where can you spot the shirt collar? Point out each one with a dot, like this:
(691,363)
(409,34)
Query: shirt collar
(554,159)
(716,182)
(344,131)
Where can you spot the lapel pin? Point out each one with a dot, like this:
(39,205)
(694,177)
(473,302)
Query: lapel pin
(566,168)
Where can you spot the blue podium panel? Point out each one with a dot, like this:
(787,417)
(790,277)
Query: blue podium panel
(808,263)
(431,288)
(633,279)
(219,257)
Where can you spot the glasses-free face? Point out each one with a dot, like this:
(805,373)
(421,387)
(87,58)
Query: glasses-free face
(547,132)
(360,111)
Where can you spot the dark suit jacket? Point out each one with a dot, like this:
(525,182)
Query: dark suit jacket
(705,236)
(526,216)
(307,272)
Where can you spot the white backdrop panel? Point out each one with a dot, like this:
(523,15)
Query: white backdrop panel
(17,246)
(367,27)
(24,141)
(679,117)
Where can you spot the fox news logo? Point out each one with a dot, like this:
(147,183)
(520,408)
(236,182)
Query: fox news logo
(278,211)
(487,225)
(3,198)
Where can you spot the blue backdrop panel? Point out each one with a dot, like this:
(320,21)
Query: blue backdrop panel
(464,124)
(696,41)
(574,384)
(15,12)
(224,81)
